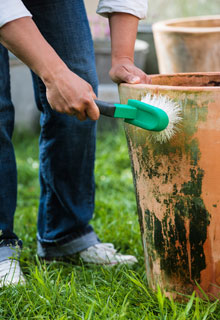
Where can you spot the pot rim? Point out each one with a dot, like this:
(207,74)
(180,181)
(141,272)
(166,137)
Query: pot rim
(177,88)
(165,27)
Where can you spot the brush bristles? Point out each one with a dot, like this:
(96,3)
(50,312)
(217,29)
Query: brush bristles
(173,111)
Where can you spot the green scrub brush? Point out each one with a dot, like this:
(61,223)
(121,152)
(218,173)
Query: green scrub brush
(158,114)
(173,111)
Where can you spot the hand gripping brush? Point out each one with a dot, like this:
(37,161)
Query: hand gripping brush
(158,114)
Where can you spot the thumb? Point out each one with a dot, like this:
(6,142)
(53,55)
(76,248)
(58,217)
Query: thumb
(92,111)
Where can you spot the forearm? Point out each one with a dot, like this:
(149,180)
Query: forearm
(123,28)
(66,92)
(23,38)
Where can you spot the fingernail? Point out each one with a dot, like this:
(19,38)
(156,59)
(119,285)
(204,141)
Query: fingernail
(135,79)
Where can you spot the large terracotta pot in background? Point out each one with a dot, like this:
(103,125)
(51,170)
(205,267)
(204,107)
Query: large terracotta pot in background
(178,185)
(145,33)
(188,44)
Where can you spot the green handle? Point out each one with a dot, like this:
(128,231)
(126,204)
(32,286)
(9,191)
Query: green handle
(116,110)
(148,117)
(138,113)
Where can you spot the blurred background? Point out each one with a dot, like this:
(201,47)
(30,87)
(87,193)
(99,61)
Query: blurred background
(168,9)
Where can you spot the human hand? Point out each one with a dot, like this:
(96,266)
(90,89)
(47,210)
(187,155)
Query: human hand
(124,70)
(68,93)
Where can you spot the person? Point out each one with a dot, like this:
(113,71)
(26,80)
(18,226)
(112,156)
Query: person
(53,39)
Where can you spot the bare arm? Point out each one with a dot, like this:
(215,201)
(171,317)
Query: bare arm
(123,28)
(66,92)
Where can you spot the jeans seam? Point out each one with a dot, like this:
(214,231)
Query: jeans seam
(43,148)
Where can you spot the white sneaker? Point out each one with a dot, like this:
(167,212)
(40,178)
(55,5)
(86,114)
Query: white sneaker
(105,253)
(10,273)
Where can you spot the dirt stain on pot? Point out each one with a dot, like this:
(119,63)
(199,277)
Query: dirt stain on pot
(176,220)
(178,238)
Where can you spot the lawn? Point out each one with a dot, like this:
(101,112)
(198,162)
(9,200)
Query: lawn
(64,291)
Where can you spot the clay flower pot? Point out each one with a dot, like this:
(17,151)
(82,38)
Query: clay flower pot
(145,33)
(188,45)
(178,185)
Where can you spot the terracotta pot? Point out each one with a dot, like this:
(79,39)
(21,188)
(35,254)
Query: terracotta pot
(145,33)
(188,45)
(178,185)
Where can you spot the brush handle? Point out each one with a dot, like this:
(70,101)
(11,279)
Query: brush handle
(106,108)
(116,110)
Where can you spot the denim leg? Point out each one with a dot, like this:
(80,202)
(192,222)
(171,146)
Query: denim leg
(8,172)
(67,146)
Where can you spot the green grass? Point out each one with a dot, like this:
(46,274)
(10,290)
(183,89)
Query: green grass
(63,291)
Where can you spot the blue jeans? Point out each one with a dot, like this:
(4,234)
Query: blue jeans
(67,146)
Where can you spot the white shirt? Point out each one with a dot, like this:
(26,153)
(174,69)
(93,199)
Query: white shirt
(14,9)
(136,7)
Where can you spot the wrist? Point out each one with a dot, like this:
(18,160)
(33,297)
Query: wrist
(51,71)
(116,60)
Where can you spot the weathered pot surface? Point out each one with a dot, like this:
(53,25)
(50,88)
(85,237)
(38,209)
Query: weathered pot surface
(188,44)
(177,185)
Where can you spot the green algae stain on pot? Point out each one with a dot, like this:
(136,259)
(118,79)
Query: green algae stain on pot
(162,237)
(192,206)
(193,150)
(194,186)
(199,220)
(178,238)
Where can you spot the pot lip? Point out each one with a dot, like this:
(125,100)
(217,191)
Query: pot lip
(177,88)
(165,27)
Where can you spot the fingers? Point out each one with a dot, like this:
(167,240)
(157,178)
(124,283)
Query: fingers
(125,76)
(129,73)
(135,77)
(72,95)
(88,107)
(120,74)
(80,115)
(81,108)
(130,78)
(92,111)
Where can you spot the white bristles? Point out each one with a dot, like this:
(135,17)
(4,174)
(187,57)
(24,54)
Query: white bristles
(173,111)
